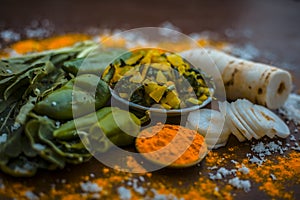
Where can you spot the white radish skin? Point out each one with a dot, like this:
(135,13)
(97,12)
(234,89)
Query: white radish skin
(260,83)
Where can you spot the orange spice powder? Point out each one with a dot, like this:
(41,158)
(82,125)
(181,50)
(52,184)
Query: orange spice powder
(166,144)
(30,45)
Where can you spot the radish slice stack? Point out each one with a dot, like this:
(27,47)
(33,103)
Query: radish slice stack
(247,120)
(242,118)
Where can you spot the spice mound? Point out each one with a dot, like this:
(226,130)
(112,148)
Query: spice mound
(171,145)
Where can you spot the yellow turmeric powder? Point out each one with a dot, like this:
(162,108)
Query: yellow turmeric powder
(171,144)
(30,45)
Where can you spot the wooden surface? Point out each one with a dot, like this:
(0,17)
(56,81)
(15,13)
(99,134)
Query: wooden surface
(270,26)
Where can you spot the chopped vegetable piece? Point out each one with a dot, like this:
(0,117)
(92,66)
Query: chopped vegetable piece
(158,93)
(151,75)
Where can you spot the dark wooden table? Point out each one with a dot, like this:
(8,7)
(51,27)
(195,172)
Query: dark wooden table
(270,26)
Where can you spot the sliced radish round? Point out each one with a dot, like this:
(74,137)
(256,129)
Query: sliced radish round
(260,127)
(243,122)
(243,106)
(278,125)
(224,108)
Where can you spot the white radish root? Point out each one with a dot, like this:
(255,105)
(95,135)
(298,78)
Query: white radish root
(260,83)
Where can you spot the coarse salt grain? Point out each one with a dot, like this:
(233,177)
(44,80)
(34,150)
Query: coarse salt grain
(291,108)
(256,160)
(292,138)
(273,177)
(296,148)
(39,147)
(244,169)
(90,187)
(3,138)
(124,193)
(31,196)
(240,184)
(9,35)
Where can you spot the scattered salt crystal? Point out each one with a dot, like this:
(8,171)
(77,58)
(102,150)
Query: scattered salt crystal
(9,71)
(53,103)
(244,169)
(9,36)
(234,162)
(292,138)
(216,189)
(57,124)
(39,147)
(158,196)
(225,172)
(267,149)
(31,196)
(273,146)
(213,167)
(217,176)
(256,160)
(296,148)
(90,187)
(124,193)
(142,178)
(129,183)
(240,184)
(3,138)
(16,126)
(259,148)
(140,190)
(281,151)
(37,32)
(291,108)
(273,177)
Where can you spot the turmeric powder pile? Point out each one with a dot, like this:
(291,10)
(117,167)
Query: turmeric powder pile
(171,145)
